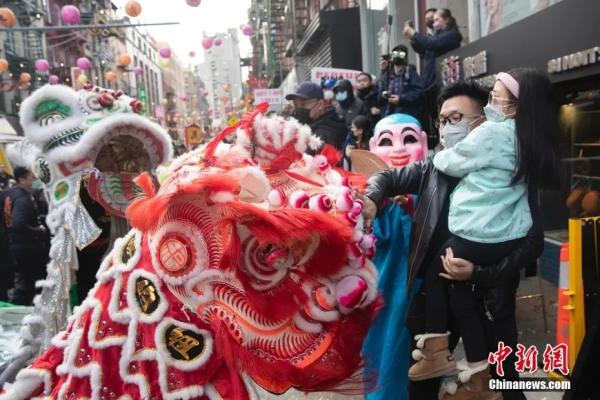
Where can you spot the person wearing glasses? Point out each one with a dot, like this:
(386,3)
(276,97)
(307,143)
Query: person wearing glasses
(403,89)
(494,281)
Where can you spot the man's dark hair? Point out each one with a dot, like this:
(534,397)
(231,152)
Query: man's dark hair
(20,173)
(432,9)
(365,74)
(469,88)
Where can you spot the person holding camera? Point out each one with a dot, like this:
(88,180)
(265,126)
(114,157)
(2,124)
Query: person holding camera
(445,37)
(402,90)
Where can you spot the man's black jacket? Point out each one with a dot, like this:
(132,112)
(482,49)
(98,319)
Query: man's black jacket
(498,282)
(330,128)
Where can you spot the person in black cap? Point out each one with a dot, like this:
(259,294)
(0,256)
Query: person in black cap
(310,109)
(403,91)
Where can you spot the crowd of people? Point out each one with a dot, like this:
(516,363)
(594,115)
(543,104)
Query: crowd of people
(399,88)
(475,223)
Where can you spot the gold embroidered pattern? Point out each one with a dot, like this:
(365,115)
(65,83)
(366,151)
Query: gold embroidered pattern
(146,295)
(128,250)
(183,344)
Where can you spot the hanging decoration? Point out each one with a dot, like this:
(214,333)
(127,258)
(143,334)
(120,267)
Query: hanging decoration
(192,54)
(7,17)
(53,79)
(218,42)
(164,63)
(124,60)
(205,93)
(207,43)
(247,30)
(82,79)
(25,77)
(138,71)
(3,65)
(110,76)
(226,87)
(42,65)
(193,3)
(70,15)
(165,52)
(84,63)
(133,8)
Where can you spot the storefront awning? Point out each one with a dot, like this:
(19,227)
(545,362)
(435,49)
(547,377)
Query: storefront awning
(7,132)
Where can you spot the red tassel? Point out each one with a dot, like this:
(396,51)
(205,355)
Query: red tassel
(333,155)
(146,183)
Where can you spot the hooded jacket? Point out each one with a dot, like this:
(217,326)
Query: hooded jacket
(352,106)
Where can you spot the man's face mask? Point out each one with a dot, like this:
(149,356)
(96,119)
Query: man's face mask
(429,23)
(37,185)
(302,115)
(453,132)
(341,96)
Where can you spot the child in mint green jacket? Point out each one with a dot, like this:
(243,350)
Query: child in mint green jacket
(516,148)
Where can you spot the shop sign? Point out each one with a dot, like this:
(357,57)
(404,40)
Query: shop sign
(319,73)
(476,65)
(272,96)
(575,60)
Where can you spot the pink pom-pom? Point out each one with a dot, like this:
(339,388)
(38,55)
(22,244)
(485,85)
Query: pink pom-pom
(357,207)
(299,199)
(351,218)
(320,164)
(351,291)
(344,202)
(367,241)
(320,202)
(276,197)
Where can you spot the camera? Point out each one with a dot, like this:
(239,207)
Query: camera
(385,57)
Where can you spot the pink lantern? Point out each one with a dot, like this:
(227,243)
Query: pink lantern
(84,63)
(207,42)
(53,80)
(165,52)
(218,41)
(70,15)
(42,65)
(247,30)
(184,98)
(193,3)
(205,93)
(138,71)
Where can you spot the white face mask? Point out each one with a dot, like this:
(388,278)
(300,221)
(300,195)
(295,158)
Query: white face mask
(451,134)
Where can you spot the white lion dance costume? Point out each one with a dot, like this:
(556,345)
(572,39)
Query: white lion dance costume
(94,135)
(248,265)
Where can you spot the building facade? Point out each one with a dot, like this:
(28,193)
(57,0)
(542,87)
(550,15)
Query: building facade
(222,74)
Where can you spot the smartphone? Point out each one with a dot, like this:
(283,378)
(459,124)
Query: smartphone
(385,57)
(386,94)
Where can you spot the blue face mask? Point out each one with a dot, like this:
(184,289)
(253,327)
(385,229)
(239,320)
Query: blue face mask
(341,96)
(37,185)
(494,113)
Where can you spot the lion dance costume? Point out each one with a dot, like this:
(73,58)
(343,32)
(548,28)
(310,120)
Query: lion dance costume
(248,265)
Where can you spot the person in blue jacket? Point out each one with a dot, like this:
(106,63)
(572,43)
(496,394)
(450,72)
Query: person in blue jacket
(403,90)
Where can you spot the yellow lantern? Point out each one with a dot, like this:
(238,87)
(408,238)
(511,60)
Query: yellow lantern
(164,63)
(124,60)
(110,76)
(82,79)
(7,17)
(133,8)
(3,65)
